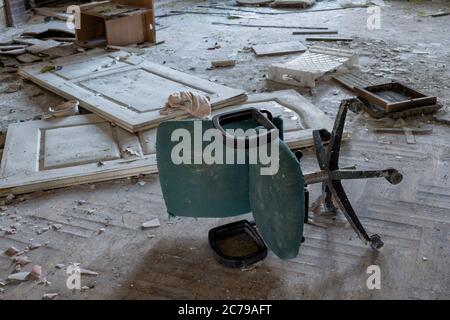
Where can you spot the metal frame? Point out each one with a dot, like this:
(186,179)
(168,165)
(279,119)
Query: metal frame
(330,175)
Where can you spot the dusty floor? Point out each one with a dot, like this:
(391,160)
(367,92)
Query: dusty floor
(413,218)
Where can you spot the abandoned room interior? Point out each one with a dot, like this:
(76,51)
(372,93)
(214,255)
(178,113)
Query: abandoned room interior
(224,149)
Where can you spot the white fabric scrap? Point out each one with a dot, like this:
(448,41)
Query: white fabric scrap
(194,103)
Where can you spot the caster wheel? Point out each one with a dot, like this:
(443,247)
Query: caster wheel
(395,177)
(376,242)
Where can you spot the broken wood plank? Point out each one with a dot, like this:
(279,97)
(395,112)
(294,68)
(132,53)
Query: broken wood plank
(28,58)
(401,130)
(115,86)
(258,3)
(14,52)
(55,153)
(44,45)
(267,26)
(315,32)
(228,8)
(278,48)
(63,50)
(223,63)
(328,39)
(350,81)
(408,132)
(292,4)
(28,41)
(12,47)
(52,12)
(439,14)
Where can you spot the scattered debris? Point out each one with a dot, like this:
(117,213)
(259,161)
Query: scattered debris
(154,223)
(315,32)
(268,26)
(56,226)
(28,58)
(271,49)
(22,261)
(87,272)
(311,65)
(439,14)
(101,230)
(36,272)
(48,68)
(292,3)
(214,47)
(34,246)
(223,63)
(258,3)
(11,251)
(42,46)
(10,232)
(67,108)
(131,152)
(328,39)
(400,130)
(350,81)
(49,296)
(19,276)
(394,96)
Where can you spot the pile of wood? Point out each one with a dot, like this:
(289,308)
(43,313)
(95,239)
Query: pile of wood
(34,46)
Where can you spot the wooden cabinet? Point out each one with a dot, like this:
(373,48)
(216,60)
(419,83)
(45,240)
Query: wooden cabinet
(116,22)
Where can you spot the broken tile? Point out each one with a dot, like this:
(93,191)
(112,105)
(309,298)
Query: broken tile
(19,276)
(34,246)
(154,223)
(22,261)
(11,251)
(56,226)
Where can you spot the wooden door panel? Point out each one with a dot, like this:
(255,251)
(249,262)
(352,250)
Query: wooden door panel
(125,89)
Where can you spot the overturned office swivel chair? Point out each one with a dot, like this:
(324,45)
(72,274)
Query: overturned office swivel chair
(278,202)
